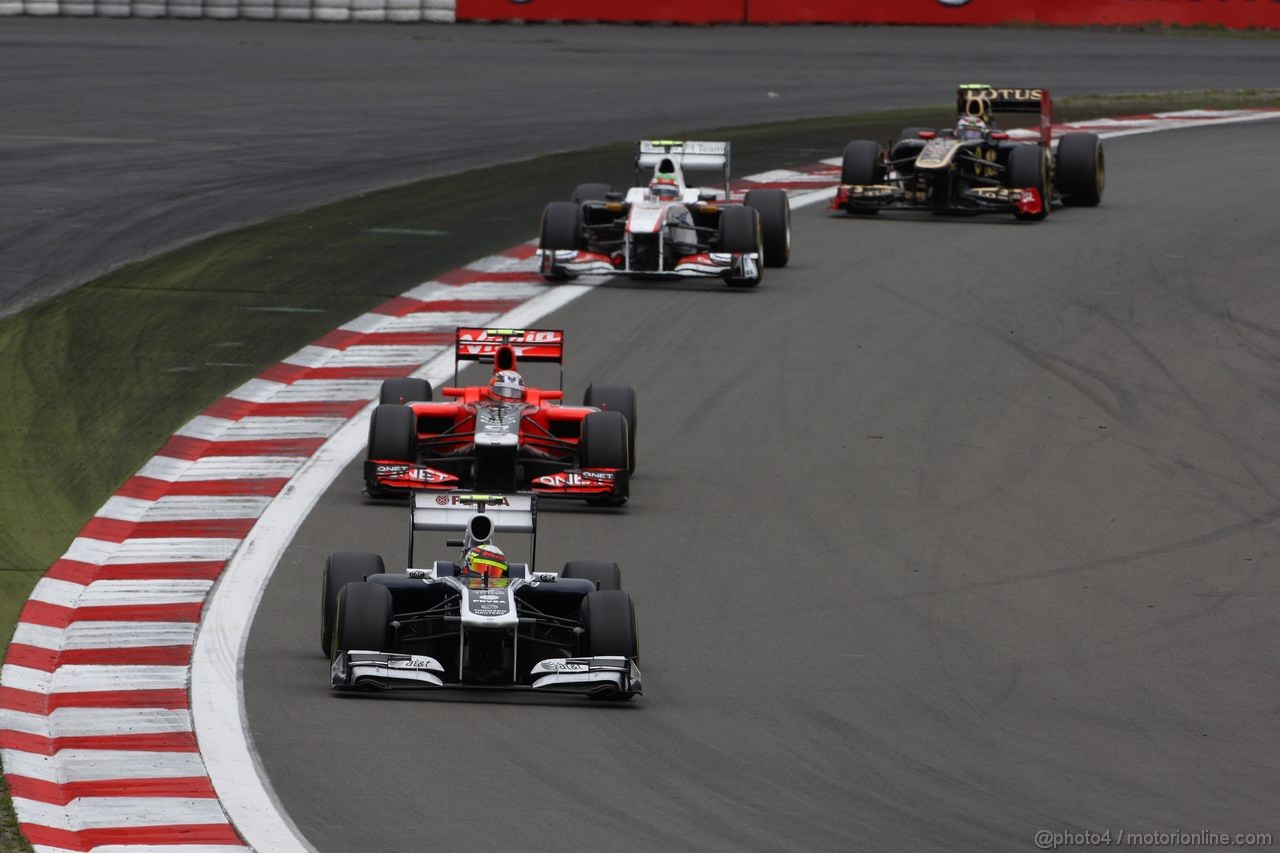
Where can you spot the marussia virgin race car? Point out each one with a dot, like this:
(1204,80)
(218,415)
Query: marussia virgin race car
(476,440)
(666,228)
(438,625)
(975,168)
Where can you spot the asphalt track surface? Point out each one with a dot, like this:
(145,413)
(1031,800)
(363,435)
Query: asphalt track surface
(124,137)
(955,530)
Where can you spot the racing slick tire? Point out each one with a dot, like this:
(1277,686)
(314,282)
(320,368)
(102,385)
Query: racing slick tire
(1080,170)
(392,438)
(561,231)
(392,433)
(405,389)
(609,623)
(740,233)
(340,569)
(617,398)
(775,224)
(862,163)
(590,192)
(561,227)
(363,619)
(604,574)
(1028,168)
(604,445)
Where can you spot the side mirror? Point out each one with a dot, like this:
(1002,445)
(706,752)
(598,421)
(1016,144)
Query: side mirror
(613,195)
(706,196)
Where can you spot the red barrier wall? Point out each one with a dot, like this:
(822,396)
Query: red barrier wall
(665,11)
(1236,14)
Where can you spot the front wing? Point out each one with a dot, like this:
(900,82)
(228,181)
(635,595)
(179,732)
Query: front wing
(599,676)
(404,477)
(854,197)
(558,264)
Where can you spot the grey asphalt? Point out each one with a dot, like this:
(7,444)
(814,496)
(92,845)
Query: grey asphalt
(953,531)
(124,137)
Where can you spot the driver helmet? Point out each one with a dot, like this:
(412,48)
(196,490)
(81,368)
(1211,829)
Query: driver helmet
(664,186)
(970,127)
(485,559)
(506,385)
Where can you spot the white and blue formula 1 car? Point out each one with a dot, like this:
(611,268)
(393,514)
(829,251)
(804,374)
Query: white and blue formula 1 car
(665,228)
(434,625)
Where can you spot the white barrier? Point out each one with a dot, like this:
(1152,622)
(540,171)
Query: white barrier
(402,11)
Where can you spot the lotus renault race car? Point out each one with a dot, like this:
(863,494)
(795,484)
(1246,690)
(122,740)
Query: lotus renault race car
(975,167)
(665,228)
(504,436)
(439,624)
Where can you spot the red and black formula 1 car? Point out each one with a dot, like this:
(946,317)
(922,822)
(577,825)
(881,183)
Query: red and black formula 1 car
(503,436)
(974,167)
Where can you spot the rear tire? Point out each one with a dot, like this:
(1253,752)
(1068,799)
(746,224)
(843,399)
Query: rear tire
(604,574)
(1029,169)
(590,192)
(340,569)
(392,435)
(1080,170)
(609,617)
(363,619)
(617,398)
(774,209)
(403,390)
(740,234)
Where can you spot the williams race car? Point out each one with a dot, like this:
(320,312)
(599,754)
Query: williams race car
(975,168)
(503,436)
(666,228)
(480,621)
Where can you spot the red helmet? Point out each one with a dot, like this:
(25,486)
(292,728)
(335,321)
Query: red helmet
(485,560)
(506,385)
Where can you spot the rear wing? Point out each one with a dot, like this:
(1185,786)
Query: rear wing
(505,348)
(689,154)
(478,516)
(981,100)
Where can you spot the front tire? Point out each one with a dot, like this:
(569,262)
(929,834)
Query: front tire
(617,398)
(774,209)
(604,444)
(340,569)
(363,619)
(740,234)
(1028,168)
(609,620)
(1080,170)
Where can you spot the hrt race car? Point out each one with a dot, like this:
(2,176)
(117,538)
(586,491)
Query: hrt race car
(438,625)
(975,168)
(525,441)
(665,228)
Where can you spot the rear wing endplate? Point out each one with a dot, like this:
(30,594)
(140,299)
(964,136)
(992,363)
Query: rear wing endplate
(981,100)
(473,343)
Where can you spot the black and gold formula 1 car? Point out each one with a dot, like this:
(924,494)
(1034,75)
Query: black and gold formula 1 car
(975,167)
